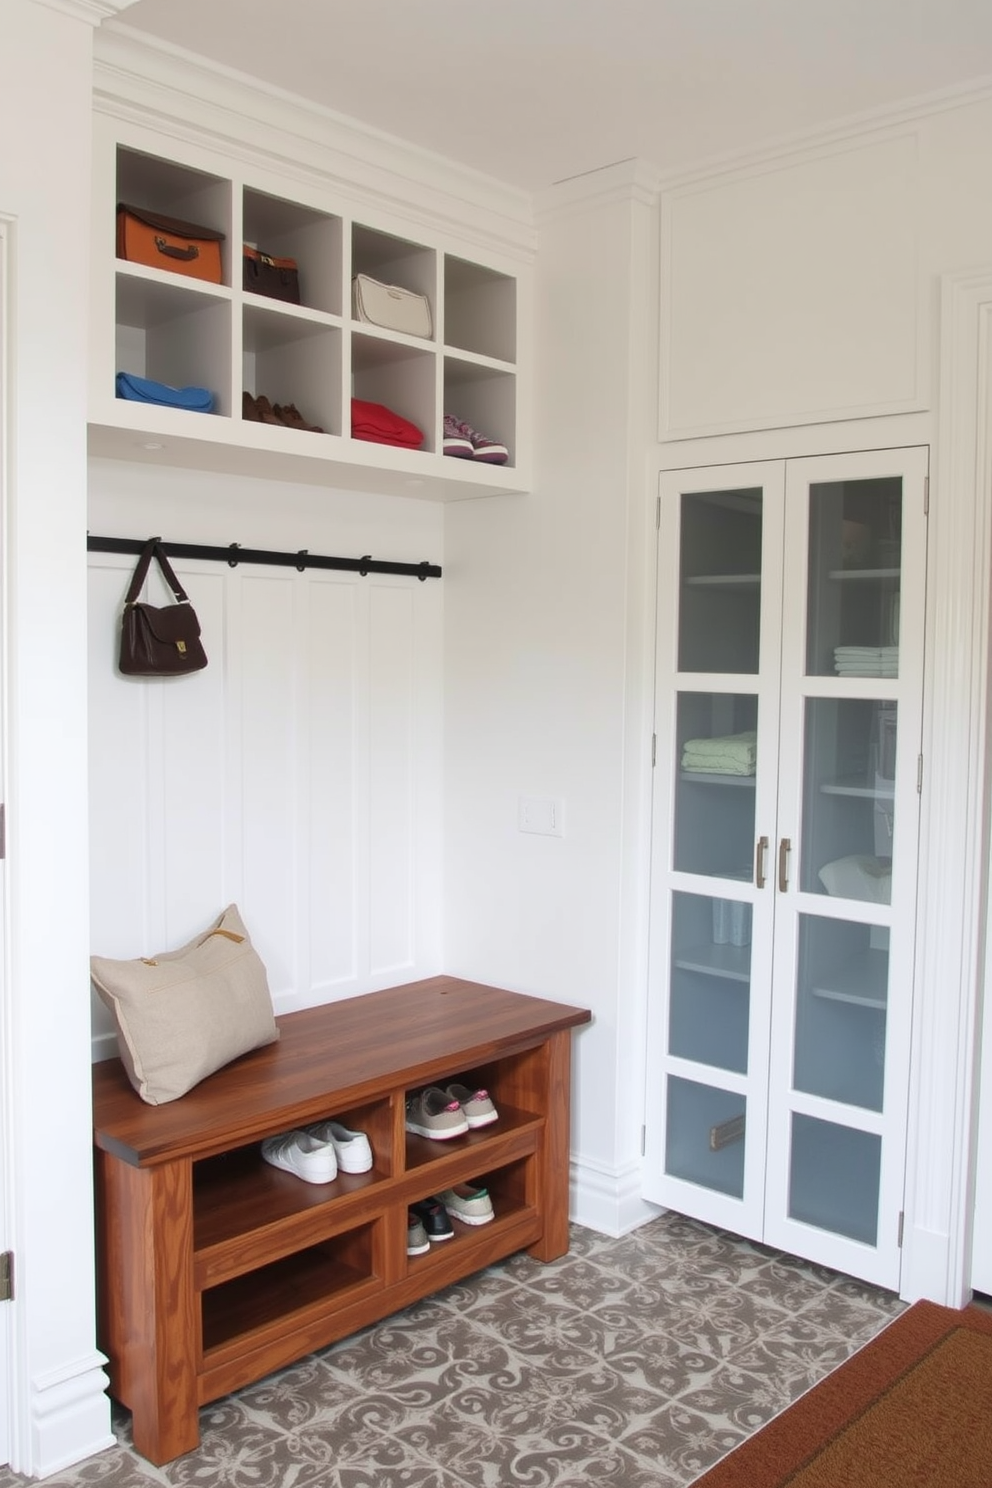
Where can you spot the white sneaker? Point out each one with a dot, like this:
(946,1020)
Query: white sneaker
(351,1148)
(303,1155)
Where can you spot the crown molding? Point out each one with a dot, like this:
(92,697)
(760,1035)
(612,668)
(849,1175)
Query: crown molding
(625,181)
(94,12)
(838,132)
(188,98)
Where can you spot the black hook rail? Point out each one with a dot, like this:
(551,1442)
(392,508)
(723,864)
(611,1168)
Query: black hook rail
(234,554)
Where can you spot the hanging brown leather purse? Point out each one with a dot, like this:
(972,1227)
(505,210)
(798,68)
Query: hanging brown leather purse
(159,641)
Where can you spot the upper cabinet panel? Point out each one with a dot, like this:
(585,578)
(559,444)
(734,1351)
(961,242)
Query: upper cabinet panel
(791,293)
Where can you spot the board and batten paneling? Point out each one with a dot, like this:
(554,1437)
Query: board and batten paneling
(298,776)
(791,291)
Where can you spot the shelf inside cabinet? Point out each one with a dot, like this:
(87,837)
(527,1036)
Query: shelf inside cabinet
(861,979)
(713,777)
(729,962)
(860,575)
(723,581)
(853,785)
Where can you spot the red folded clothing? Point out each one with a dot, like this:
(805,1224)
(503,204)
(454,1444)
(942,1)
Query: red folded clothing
(376,422)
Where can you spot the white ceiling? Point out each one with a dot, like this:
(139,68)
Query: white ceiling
(534,91)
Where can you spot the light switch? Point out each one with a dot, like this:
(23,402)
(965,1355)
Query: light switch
(540,814)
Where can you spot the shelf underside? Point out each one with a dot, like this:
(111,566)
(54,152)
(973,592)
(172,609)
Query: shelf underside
(264,452)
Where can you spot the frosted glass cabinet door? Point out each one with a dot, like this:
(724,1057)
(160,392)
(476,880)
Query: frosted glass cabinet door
(788,717)
(847,826)
(719,618)
(720,583)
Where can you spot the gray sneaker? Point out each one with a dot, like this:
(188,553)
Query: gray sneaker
(472,1206)
(477,1105)
(431,1112)
(417,1242)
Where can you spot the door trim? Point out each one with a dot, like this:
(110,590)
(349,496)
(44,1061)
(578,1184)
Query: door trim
(954,835)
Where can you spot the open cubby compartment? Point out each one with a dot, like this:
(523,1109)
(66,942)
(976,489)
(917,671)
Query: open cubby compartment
(319,1279)
(179,191)
(483,397)
(176,332)
(378,1121)
(400,376)
(480,309)
(394,260)
(314,239)
(290,358)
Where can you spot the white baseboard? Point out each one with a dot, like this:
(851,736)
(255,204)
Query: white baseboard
(927,1273)
(608,1201)
(70,1416)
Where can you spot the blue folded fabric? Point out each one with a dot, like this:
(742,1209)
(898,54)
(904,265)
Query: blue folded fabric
(146,390)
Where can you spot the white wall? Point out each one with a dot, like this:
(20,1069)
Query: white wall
(59,1411)
(299,775)
(545,695)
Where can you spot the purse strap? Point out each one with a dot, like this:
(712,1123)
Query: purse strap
(153,549)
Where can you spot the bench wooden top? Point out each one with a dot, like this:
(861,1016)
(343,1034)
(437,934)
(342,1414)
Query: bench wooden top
(357,1049)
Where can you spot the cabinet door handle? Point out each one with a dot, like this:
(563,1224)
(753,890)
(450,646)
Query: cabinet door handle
(784,849)
(759,862)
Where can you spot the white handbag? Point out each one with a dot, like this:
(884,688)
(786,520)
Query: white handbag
(390,307)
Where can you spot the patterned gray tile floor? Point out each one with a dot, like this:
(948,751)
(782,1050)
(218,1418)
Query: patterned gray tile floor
(630,1363)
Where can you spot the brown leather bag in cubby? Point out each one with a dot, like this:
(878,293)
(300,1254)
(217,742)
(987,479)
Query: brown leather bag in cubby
(169,243)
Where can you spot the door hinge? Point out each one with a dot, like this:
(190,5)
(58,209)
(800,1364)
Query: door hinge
(926,495)
(654,750)
(644,1140)
(902,1216)
(7,1276)
(919,775)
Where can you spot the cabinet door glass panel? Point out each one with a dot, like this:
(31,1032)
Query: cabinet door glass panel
(834,1177)
(710,981)
(714,800)
(705,1136)
(720,581)
(848,798)
(852,617)
(841,1005)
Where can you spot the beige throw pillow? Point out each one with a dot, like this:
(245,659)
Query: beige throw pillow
(182,1014)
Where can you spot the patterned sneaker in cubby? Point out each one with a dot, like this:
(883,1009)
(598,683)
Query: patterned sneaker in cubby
(432,1113)
(466,443)
(477,1105)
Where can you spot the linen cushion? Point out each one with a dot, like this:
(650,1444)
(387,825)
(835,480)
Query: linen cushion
(182,1014)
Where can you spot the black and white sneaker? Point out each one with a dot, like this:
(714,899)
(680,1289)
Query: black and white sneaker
(434,1218)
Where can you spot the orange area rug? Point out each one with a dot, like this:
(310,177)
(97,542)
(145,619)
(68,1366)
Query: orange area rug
(912,1409)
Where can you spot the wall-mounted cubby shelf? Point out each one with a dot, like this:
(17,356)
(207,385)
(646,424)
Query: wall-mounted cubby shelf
(159,323)
(214,1268)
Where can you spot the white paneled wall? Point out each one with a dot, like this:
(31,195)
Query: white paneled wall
(297,776)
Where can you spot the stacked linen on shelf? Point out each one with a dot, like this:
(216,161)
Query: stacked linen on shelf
(733,754)
(866,661)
